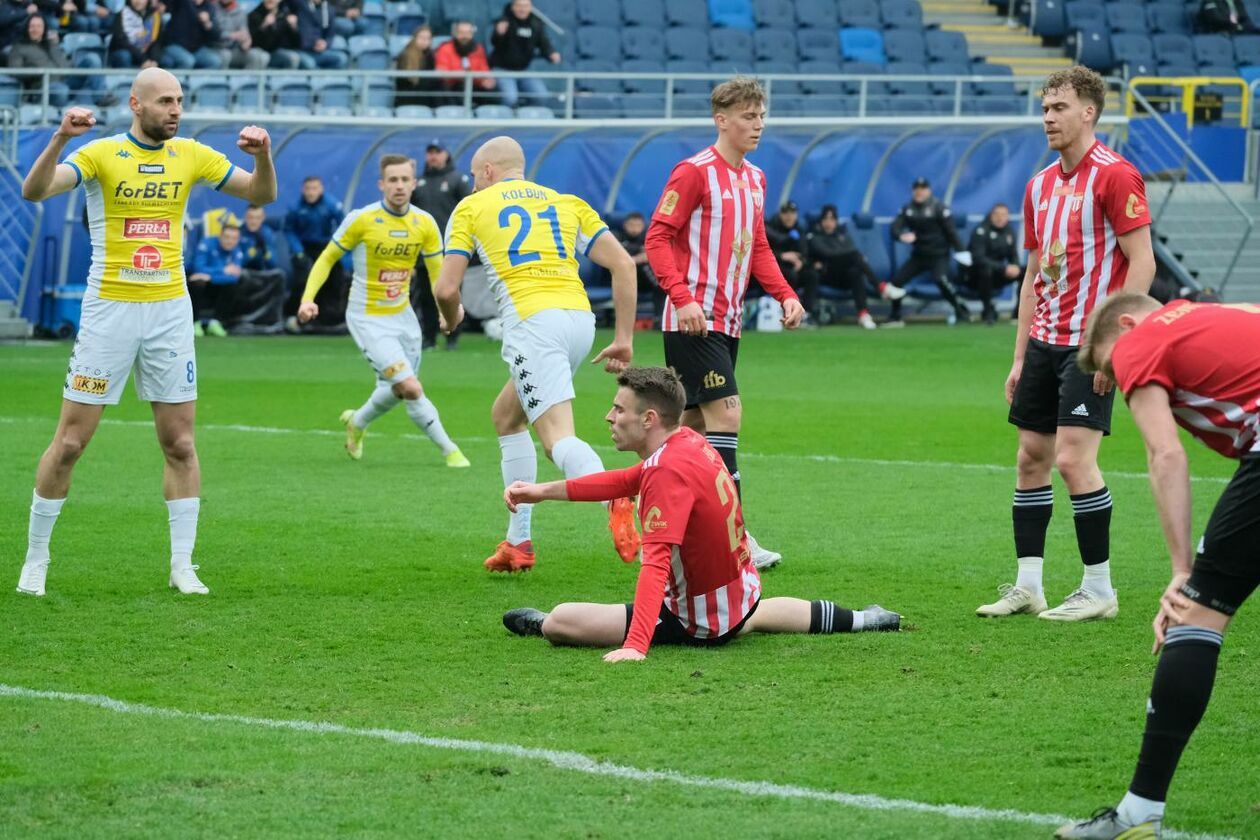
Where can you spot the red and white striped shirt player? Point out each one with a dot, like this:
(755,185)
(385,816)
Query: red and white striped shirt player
(1073,219)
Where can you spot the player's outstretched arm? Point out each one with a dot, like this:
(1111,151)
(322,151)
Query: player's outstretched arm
(259,186)
(524,493)
(316,279)
(609,253)
(48,177)
(446,291)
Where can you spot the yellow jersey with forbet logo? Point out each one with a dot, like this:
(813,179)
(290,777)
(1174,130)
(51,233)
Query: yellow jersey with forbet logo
(528,236)
(136,195)
(385,246)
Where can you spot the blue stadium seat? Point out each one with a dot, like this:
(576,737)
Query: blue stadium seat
(1047,19)
(336,93)
(409,23)
(1247,49)
(647,13)
(862,45)
(599,14)
(563,12)
(643,43)
(493,112)
(380,94)
(1167,18)
(690,86)
(449,112)
(414,112)
(944,84)
(903,45)
(1174,49)
(397,43)
(853,87)
(814,44)
(873,245)
(862,13)
(1127,17)
(372,59)
(687,13)
(774,14)
(818,87)
(638,65)
(374,21)
(992,88)
(901,14)
(74,42)
(1133,54)
(293,93)
(480,12)
(597,65)
(732,14)
(1093,49)
(779,87)
(1085,14)
(817,13)
(209,93)
(601,42)
(731,46)
(901,87)
(686,42)
(944,46)
(535,112)
(774,45)
(1213,50)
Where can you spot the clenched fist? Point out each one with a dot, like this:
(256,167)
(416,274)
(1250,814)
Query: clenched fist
(254,141)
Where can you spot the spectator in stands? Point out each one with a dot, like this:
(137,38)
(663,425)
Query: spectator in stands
(349,17)
(134,38)
(518,36)
(994,258)
(258,242)
(308,227)
(85,16)
(438,189)
(191,38)
(632,236)
(417,56)
(1227,16)
(41,49)
(237,42)
(315,34)
(786,236)
(926,225)
(461,52)
(274,29)
(217,267)
(13,15)
(834,260)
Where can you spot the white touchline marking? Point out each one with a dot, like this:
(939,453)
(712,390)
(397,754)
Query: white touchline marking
(824,459)
(574,761)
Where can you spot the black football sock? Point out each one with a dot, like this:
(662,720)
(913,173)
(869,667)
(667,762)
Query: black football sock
(727,445)
(826,617)
(1179,696)
(1031,516)
(1092,514)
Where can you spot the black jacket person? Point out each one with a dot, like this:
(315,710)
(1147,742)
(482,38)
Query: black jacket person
(927,225)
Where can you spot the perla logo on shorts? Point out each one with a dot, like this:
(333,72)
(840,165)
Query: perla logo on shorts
(168,190)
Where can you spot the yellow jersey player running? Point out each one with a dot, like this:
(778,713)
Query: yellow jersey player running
(528,237)
(385,238)
(136,313)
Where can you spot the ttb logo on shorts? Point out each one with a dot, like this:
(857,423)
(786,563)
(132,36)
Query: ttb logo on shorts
(147,229)
(89,384)
(713,379)
(147,258)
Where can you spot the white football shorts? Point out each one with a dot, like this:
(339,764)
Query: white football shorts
(391,343)
(543,352)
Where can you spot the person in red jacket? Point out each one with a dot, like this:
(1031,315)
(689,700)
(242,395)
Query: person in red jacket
(707,239)
(697,585)
(465,55)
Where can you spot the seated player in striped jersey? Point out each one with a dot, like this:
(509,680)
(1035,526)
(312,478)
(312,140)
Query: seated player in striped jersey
(385,238)
(698,585)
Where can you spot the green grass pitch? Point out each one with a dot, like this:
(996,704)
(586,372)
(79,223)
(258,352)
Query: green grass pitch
(881,465)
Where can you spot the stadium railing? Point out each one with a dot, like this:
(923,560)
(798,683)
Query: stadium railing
(19,235)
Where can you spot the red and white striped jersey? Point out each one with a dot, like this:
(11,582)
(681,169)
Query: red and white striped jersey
(1207,357)
(708,237)
(1074,218)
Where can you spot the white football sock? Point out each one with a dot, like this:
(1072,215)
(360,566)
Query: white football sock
(183,519)
(1029,576)
(575,458)
(381,401)
(518,462)
(859,621)
(1097,580)
(1134,810)
(44,514)
(425,415)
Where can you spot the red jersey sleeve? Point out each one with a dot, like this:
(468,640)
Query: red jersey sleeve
(605,486)
(1138,359)
(649,592)
(665,502)
(1124,198)
(765,268)
(1030,220)
(682,195)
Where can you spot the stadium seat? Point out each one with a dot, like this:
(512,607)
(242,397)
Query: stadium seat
(863,13)
(903,45)
(1093,49)
(996,87)
(1127,17)
(647,13)
(779,87)
(1174,49)
(1133,54)
(369,52)
(638,65)
(292,93)
(731,47)
(601,42)
(817,13)
(593,85)
(867,237)
(1085,14)
(944,84)
(1167,18)
(944,46)
(732,14)
(690,86)
(450,112)
(1212,50)
(686,42)
(563,12)
(535,112)
(901,14)
(853,87)
(599,14)
(75,42)
(901,87)
(1047,20)
(774,14)
(397,43)
(687,13)
(493,112)
(813,44)
(480,12)
(821,87)
(596,106)
(408,23)
(415,112)
(641,42)
(1247,49)
(10,92)
(374,21)
(774,45)
(862,45)
(380,94)
(210,94)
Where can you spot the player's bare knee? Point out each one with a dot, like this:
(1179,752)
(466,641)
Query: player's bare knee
(1076,467)
(1031,461)
(179,448)
(67,447)
(408,389)
(556,630)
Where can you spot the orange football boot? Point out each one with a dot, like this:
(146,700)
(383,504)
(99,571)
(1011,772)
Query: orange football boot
(621,523)
(511,558)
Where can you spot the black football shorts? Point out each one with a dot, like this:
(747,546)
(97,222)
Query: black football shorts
(705,364)
(1052,392)
(1227,568)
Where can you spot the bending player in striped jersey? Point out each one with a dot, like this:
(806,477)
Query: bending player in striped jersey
(698,585)
(385,238)
(1196,366)
(528,236)
(708,237)
(1088,232)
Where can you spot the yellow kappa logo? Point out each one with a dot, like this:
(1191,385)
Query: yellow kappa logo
(89,384)
(393,370)
(669,202)
(652,521)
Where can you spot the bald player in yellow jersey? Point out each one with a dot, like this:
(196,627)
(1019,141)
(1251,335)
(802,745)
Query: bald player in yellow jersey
(528,237)
(136,312)
(385,238)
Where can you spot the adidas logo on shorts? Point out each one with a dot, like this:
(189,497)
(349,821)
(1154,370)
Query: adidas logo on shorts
(1080,411)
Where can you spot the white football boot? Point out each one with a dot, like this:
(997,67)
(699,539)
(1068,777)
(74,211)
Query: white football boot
(1083,605)
(34,572)
(762,558)
(1107,825)
(1014,601)
(186,581)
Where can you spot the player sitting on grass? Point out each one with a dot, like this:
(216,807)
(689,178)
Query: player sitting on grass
(698,585)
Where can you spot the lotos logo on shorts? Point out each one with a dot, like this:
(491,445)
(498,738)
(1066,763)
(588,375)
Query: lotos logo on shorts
(146,229)
(89,384)
(147,258)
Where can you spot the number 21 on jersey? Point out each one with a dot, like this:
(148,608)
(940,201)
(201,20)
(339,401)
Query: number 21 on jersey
(516,214)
